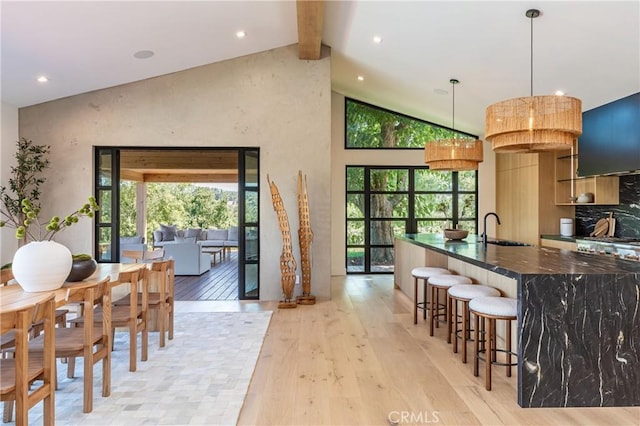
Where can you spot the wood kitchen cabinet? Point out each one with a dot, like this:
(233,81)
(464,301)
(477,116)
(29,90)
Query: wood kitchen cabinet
(525,197)
(569,185)
(566,245)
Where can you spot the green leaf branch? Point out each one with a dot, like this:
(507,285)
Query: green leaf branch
(19,202)
(53,226)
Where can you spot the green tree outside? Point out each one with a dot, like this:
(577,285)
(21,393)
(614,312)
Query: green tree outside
(375,128)
(183,204)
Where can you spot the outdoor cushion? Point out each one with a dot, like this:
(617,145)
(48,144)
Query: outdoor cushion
(192,232)
(233,233)
(157,236)
(217,234)
(168,232)
(185,239)
(137,239)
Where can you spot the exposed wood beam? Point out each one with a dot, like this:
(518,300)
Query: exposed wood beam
(310,21)
(181,171)
(190,177)
(131,175)
(178,159)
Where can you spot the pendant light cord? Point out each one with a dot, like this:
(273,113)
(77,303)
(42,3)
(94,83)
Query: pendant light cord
(532,15)
(453,82)
(453,102)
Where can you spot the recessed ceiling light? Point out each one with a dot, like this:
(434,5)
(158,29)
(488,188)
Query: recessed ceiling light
(240,34)
(377,39)
(42,79)
(360,78)
(143,54)
(559,93)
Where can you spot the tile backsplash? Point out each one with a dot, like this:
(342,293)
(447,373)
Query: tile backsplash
(627,213)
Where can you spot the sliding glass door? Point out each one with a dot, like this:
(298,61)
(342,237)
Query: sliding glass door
(244,172)
(249,210)
(107,170)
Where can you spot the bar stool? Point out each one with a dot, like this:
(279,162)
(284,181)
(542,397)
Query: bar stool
(492,309)
(464,293)
(436,284)
(423,273)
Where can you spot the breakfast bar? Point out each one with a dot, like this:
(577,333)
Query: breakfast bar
(578,327)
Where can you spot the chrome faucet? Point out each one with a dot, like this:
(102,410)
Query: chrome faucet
(484,227)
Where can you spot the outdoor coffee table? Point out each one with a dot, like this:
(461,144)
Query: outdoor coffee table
(214,251)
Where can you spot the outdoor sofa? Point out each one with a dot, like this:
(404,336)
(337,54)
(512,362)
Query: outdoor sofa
(206,238)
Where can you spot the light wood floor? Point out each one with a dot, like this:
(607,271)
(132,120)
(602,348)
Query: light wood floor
(358,359)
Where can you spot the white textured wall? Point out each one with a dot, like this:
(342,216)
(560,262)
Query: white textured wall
(271,100)
(341,157)
(8,242)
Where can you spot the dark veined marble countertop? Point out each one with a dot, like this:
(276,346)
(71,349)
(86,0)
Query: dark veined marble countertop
(513,261)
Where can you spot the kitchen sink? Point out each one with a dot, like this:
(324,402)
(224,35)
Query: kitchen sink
(508,243)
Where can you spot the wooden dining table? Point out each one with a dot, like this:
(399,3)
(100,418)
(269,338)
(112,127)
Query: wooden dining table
(13,296)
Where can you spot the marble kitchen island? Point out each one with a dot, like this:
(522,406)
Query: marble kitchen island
(578,327)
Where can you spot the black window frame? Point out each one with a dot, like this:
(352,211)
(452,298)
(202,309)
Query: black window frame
(428,123)
(411,222)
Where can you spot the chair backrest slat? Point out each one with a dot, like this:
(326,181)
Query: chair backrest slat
(137,255)
(157,254)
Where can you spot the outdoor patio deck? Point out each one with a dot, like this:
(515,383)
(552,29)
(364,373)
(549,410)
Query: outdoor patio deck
(219,283)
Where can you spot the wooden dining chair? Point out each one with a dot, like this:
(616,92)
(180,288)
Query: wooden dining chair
(93,344)
(7,340)
(7,345)
(133,316)
(136,255)
(161,279)
(18,375)
(162,299)
(140,256)
(154,255)
(7,278)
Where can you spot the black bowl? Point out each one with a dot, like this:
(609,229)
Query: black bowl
(81,269)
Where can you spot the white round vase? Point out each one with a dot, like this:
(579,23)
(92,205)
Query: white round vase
(41,266)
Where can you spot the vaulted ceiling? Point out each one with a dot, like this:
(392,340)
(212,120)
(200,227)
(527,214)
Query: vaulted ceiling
(588,49)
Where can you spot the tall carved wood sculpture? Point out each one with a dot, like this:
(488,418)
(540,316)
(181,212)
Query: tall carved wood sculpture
(305,238)
(287,262)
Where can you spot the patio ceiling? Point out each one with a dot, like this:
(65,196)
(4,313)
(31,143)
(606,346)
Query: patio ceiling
(179,165)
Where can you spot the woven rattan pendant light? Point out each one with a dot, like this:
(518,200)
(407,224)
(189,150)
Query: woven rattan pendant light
(454,153)
(534,123)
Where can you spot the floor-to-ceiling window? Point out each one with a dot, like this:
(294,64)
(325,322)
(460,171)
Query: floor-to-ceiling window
(383,201)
